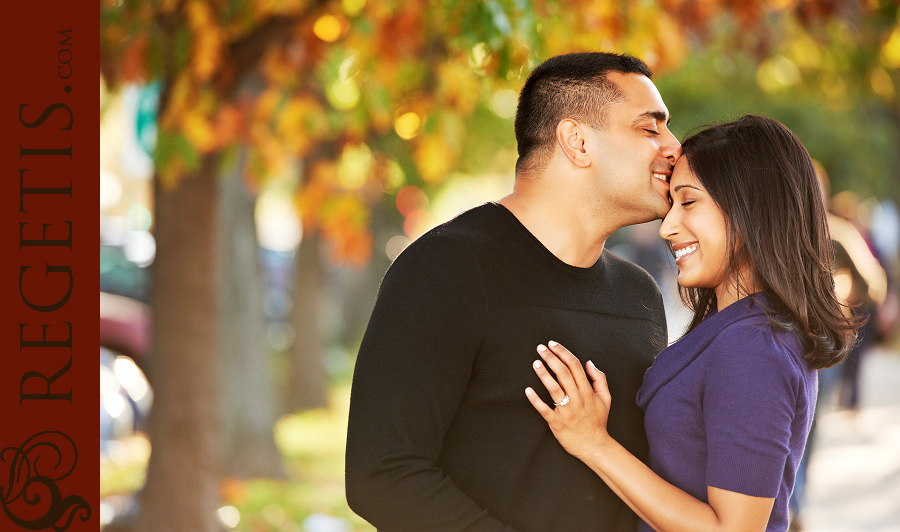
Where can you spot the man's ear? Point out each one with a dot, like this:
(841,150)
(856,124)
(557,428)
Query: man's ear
(570,137)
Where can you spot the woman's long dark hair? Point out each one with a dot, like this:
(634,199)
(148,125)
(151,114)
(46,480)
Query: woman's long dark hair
(764,181)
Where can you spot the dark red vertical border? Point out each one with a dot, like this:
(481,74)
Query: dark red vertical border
(49,264)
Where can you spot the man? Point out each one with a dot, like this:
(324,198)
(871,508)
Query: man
(441,436)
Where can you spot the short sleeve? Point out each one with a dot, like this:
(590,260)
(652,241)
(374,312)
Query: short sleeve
(750,397)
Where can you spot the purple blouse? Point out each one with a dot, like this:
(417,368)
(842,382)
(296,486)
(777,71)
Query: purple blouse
(730,406)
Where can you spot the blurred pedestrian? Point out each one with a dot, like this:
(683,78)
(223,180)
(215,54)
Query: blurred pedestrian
(860,283)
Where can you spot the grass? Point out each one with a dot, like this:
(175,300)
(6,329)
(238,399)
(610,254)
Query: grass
(312,444)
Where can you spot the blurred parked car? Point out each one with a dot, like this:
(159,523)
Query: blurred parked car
(125,394)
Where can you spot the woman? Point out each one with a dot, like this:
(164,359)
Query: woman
(728,407)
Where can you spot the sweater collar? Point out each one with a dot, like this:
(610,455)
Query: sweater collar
(674,359)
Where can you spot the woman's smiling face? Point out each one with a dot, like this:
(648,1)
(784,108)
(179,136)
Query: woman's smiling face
(696,229)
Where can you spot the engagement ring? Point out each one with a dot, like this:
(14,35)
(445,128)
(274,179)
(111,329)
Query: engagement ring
(563,402)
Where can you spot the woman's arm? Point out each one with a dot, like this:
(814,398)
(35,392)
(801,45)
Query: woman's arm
(580,426)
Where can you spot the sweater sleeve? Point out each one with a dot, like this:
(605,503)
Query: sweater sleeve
(412,370)
(749,403)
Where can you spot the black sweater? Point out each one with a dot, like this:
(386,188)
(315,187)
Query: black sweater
(441,436)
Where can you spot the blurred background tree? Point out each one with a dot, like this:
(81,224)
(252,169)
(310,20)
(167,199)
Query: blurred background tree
(365,110)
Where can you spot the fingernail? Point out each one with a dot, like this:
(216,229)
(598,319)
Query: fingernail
(551,343)
(537,364)
(528,391)
(591,362)
(541,348)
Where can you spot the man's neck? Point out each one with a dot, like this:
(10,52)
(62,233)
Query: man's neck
(571,235)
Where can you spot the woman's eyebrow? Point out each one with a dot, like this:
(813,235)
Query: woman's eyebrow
(679,187)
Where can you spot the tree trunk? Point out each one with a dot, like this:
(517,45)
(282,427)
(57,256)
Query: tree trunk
(306,387)
(181,493)
(248,398)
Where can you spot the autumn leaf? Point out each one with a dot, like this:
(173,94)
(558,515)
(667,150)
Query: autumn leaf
(345,225)
(434,159)
(198,130)
(301,123)
(290,77)
(458,87)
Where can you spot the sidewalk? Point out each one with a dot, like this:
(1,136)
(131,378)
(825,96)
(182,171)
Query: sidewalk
(854,472)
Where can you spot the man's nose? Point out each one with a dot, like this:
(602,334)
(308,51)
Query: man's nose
(672,148)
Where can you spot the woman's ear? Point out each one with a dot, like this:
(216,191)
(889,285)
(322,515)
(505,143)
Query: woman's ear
(570,137)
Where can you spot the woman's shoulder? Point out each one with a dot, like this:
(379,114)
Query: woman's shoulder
(753,339)
(752,363)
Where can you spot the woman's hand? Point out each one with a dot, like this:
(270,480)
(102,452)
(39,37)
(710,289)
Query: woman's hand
(579,423)
(580,426)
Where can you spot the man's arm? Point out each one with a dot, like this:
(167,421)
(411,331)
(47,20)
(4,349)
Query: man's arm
(413,367)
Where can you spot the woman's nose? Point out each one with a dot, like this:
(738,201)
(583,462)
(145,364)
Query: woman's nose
(668,228)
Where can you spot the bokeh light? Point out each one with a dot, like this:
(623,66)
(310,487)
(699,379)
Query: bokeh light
(411,198)
(327,28)
(503,103)
(354,166)
(417,223)
(890,52)
(280,335)
(407,125)
(140,248)
(395,246)
(110,190)
(131,378)
(277,225)
(353,7)
(114,404)
(139,218)
(394,176)
(344,94)
(881,82)
(777,73)
(229,516)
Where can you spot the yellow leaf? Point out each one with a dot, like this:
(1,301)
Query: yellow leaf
(198,14)
(207,42)
(458,86)
(199,131)
(266,104)
(206,57)
(301,124)
(180,101)
(433,159)
(890,52)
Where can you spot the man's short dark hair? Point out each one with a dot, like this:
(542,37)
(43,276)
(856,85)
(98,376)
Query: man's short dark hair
(566,86)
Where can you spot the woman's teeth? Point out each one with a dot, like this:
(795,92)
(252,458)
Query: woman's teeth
(684,251)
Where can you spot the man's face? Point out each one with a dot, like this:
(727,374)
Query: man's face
(636,152)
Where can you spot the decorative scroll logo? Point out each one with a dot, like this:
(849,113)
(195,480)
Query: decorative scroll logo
(32,500)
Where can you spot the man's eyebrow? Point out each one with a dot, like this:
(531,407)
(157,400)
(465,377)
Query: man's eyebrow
(659,116)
